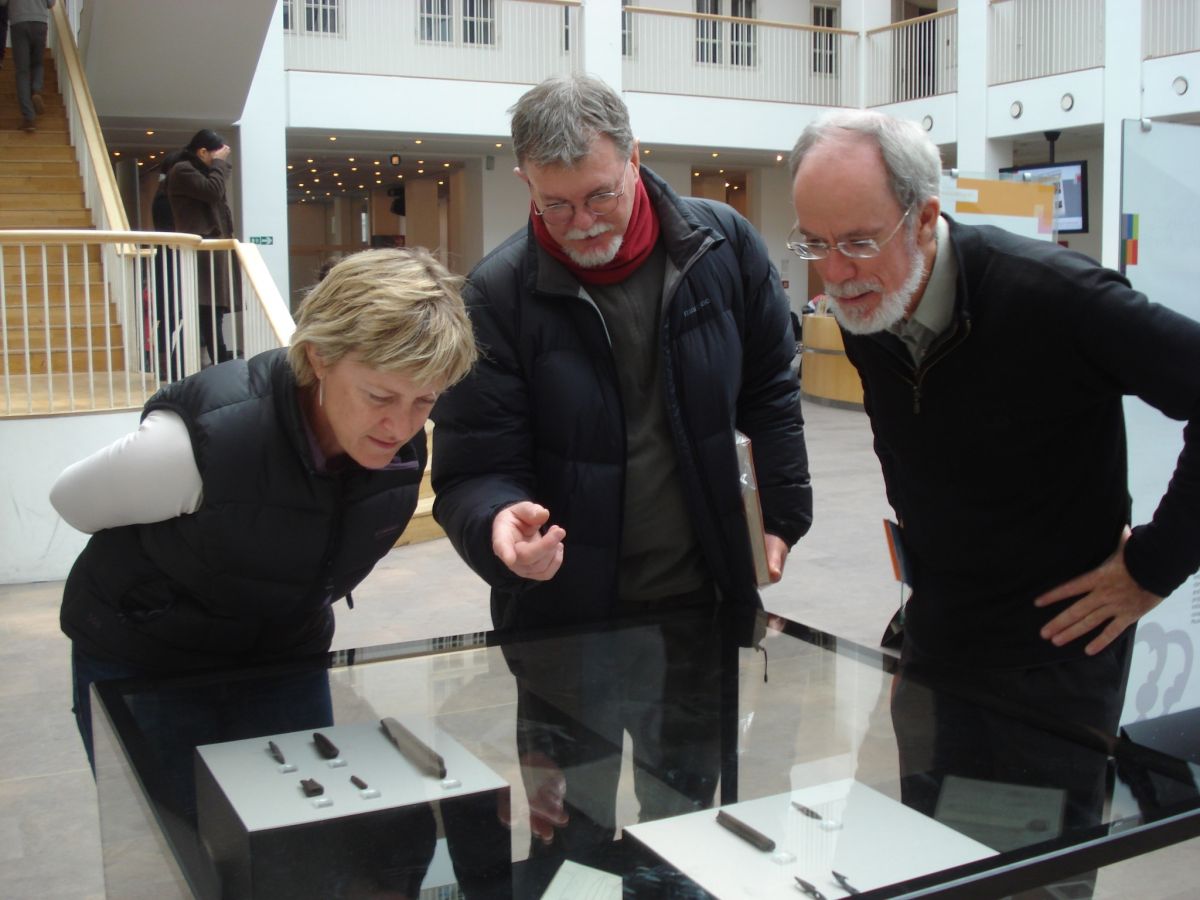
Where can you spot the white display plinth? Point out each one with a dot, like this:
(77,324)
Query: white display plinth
(869,838)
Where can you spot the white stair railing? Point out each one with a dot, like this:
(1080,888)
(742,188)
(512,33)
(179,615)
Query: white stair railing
(100,319)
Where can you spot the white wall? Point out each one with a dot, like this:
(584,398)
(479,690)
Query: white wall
(35,543)
(406,105)
(505,203)
(1159,96)
(262,169)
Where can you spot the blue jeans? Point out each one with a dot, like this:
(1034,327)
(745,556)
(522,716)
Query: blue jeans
(85,670)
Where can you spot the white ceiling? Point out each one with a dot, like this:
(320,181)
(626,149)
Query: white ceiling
(162,60)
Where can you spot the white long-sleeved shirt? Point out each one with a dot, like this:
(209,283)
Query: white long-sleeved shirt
(147,476)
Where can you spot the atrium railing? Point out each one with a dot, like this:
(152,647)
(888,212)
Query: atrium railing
(912,59)
(1170,27)
(1035,38)
(698,55)
(95,320)
(516,41)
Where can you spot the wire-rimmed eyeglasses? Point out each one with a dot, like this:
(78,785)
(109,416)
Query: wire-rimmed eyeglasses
(597,204)
(858,248)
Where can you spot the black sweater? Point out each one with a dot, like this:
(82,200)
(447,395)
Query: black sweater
(1004,453)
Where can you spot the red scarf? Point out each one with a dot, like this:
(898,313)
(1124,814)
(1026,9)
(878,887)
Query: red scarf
(640,237)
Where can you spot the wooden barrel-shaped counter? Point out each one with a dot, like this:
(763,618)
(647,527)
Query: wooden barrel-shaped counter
(826,376)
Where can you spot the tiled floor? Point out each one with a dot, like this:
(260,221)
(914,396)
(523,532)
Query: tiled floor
(838,579)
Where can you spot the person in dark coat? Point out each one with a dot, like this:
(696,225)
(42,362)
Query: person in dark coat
(257,493)
(166,279)
(588,468)
(197,188)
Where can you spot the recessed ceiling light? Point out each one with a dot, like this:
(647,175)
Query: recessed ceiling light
(308,161)
(349,159)
(116,153)
(420,171)
(289,167)
(418,141)
(333,137)
(778,157)
(715,154)
(498,146)
(149,132)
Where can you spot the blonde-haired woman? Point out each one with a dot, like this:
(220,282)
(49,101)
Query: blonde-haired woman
(258,492)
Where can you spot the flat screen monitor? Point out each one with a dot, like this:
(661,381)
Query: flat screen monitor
(1069,180)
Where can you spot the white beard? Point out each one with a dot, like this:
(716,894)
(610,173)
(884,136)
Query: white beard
(891,306)
(593,258)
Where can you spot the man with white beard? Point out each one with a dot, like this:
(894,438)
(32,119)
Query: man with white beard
(587,468)
(993,371)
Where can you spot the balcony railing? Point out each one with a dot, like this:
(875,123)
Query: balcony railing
(1036,38)
(913,59)
(1170,27)
(670,52)
(99,319)
(515,41)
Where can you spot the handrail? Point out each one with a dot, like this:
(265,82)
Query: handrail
(737,20)
(95,236)
(915,20)
(274,306)
(93,137)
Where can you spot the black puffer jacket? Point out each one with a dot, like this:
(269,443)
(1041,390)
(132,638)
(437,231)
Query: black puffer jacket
(541,415)
(252,573)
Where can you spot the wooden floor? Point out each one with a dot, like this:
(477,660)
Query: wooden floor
(42,395)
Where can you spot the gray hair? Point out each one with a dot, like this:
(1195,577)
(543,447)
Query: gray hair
(912,160)
(556,122)
(399,310)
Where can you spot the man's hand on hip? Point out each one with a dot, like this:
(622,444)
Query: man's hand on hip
(1109,594)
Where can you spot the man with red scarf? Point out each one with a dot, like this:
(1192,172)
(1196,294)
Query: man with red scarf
(587,468)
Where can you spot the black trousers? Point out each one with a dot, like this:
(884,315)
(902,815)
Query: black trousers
(1020,733)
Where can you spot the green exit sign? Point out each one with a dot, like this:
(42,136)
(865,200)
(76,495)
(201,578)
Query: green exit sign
(265,240)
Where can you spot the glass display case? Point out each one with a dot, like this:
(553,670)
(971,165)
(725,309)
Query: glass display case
(594,763)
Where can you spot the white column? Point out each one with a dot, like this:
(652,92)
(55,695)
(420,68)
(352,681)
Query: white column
(602,41)
(261,166)
(1122,100)
(976,154)
(862,16)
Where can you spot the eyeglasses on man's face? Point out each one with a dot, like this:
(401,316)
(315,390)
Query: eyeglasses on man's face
(858,248)
(597,204)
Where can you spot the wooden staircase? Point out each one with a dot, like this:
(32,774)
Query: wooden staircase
(40,187)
